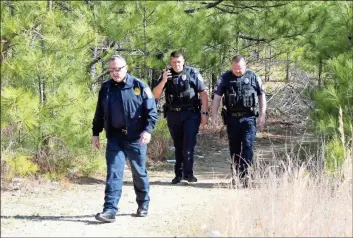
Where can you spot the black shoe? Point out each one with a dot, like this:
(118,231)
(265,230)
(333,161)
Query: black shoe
(190,179)
(142,212)
(176,180)
(105,217)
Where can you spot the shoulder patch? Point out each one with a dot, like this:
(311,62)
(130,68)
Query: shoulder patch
(197,74)
(199,77)
(261,85)
(148,92)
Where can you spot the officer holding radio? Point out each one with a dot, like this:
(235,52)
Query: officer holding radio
(184,111)
(244,100)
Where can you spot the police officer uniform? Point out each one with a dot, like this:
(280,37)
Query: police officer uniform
(182,110)
(239,112)
(125,110)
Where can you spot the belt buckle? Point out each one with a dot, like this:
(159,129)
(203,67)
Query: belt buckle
(177,109)
(124,131)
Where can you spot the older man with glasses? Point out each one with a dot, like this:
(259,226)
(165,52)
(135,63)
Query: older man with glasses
(126,109)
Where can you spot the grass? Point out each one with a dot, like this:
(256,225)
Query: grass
(300,201)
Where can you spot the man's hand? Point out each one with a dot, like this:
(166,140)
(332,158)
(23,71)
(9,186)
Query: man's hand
(204,121)
(145,138)
(214,121)
(158,90)
(95,142)
(166,75)
(261,122)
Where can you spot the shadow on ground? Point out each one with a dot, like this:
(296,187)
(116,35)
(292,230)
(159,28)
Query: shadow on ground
(38,218)
(200,184)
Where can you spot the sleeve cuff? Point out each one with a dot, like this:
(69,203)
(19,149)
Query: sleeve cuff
(148,129)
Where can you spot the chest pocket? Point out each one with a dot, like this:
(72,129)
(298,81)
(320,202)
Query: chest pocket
(133,105)
(248,92)
(233,94)
(135,115)
(135,119)
(188,91)
(180,89)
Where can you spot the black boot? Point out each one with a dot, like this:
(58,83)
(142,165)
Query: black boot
(190,178)
(176,180)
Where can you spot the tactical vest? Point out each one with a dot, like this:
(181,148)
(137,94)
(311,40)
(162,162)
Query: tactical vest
(241,94)
(180,92)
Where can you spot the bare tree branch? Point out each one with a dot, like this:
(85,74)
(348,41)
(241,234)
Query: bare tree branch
(245,37)
(258,6)
(226,11)
(209,5)
(151,13)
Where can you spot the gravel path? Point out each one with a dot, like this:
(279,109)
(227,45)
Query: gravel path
(51,209)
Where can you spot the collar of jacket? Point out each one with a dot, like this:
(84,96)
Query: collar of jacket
(128,81)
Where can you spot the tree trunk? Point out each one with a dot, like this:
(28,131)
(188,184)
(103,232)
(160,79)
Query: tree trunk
(213,79)
(320,73)
(269,65)
(155,77)
(287,68)
(237,43)
(145,42)
(213,83)
(50,5)
(352,141)
(93,70)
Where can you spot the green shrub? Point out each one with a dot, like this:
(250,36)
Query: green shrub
(334,155)
(19,165)
(157,149)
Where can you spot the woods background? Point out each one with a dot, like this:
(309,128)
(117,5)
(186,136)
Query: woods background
(54,55)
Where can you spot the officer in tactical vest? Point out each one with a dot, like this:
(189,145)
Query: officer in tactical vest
(126,109)
(184,112)
(244,100)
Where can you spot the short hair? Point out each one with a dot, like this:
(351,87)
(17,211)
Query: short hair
(117,57)
(176,54)
(237,58)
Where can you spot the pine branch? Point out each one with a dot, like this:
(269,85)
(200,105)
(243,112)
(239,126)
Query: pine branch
(245,37)
(209,5)
(264,7)
(94,61)
(151,13)
(227,11)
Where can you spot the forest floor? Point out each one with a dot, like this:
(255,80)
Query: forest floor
(43,208)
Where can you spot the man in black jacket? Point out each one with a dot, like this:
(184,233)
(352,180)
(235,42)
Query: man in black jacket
(126,109)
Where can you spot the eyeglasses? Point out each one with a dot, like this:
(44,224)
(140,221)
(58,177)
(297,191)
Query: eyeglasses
(116,70)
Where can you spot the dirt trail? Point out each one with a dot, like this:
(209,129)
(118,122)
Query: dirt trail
(53,209)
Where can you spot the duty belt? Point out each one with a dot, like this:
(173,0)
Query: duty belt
(239,114)
(179,109)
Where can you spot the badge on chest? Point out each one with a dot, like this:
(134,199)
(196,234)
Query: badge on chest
(137,91)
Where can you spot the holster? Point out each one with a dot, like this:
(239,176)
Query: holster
(165,109)
(224,115)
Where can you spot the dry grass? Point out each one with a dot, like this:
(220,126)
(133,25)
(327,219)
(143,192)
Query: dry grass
(296,203)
